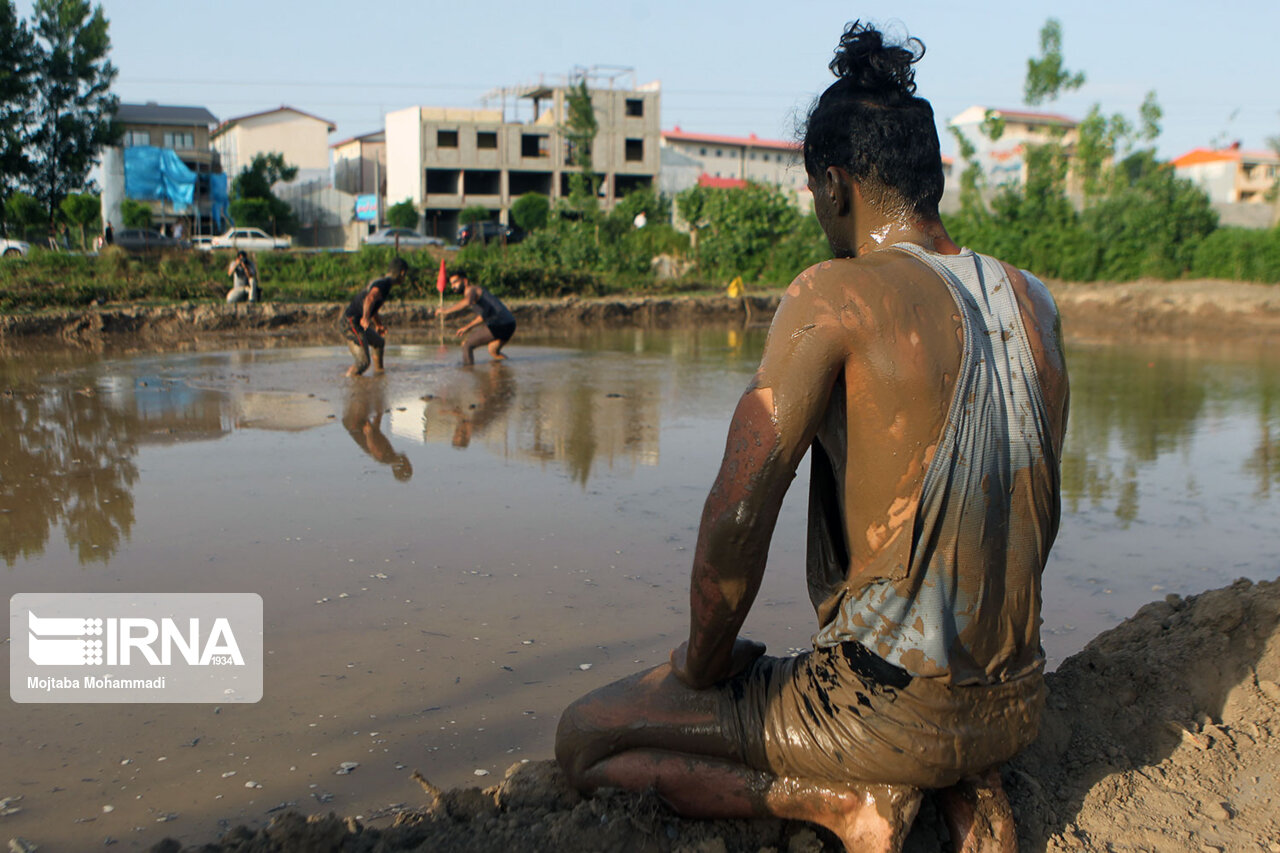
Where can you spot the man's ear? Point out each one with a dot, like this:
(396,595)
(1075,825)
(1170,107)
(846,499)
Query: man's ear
(839,186)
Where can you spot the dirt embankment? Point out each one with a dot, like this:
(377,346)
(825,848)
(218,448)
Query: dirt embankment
(183,320)
(1182,308)
(1163,734)
(1185,308)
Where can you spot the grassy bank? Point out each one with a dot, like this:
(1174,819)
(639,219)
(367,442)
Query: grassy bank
(47,280)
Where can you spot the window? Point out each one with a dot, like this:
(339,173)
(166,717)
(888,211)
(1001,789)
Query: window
(635,107)
(751,156)
(446,139)
(634,150)
(533,145)
(180,141)
(136,137)
(487,139)
(702,151)
(719,152)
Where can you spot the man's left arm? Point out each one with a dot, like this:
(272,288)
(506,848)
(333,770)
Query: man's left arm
(772,427)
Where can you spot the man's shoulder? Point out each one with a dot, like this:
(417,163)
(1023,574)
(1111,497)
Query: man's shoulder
(838,277)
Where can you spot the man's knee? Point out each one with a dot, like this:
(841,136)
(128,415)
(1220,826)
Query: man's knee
(572,742)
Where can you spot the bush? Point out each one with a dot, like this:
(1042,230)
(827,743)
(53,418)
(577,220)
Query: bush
(1239,253)
(530,211)
(403,214)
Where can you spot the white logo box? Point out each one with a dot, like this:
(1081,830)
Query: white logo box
(143,647)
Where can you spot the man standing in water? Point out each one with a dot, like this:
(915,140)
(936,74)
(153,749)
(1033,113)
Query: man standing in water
(494,324)
(929,385)
(360,325)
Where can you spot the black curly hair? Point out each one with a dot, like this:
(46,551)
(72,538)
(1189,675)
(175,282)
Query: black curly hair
(870,123)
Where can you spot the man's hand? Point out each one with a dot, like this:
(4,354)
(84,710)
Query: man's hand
(463,331)
(744,652)
(364,322)
(379,327)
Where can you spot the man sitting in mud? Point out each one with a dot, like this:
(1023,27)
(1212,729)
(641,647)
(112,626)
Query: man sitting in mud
(928,384)
(360,324)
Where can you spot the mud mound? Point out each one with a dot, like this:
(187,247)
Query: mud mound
(1163,734)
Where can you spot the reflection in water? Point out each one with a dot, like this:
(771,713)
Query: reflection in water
(572,411)
(69,438)
(1148,405)
(1264,462)
(66,459)
(472,398)
(362,417)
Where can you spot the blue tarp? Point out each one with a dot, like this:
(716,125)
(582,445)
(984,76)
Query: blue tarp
(157,174)
(220,202)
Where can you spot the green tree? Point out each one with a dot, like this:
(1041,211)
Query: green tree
(1046,78)
(23,212)
(1150,223)
(82,210)
(530,211)
(255,204)
(73,106)
(17,61)
(580,132)
(135,214)
(473,214)
(742,225)
(403,214)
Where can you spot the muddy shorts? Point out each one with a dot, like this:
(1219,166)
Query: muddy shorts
(843,714)
(502,331)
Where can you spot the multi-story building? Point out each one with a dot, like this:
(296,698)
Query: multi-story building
(1003,160)
(1230,174)
(690,158)
(186,131)
(1237,182)
(360,164)
(302,138)
(445,159)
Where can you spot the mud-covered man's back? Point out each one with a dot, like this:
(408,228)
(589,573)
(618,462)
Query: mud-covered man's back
(928,383)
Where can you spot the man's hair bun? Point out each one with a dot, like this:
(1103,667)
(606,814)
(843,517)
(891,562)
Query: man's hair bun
(864,63)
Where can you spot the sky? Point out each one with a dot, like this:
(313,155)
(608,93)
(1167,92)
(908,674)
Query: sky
(725,68)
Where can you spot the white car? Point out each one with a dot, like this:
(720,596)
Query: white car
(13,248)
(405,237)
(250,239)
(203,243)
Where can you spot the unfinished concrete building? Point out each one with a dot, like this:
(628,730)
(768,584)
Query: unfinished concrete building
(445,159)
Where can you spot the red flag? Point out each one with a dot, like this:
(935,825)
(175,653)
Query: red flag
(440,279)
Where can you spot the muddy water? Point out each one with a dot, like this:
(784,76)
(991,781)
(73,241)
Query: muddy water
(448,556)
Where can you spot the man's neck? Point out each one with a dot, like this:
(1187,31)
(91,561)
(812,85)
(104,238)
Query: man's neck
(884,231)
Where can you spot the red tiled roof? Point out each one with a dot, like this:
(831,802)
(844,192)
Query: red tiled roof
(705,180)
(1208,155)
(751,141)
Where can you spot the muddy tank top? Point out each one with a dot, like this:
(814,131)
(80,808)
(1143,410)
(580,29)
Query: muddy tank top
(967,607)
(491,310)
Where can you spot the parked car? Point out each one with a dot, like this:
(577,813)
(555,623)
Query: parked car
(406,237)
(487,231)
(13,248)
(251,240)
(143,240)
(203,243)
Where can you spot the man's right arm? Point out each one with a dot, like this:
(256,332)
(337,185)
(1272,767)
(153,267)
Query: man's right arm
(772,428)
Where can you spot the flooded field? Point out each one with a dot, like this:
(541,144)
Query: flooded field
(448,556)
